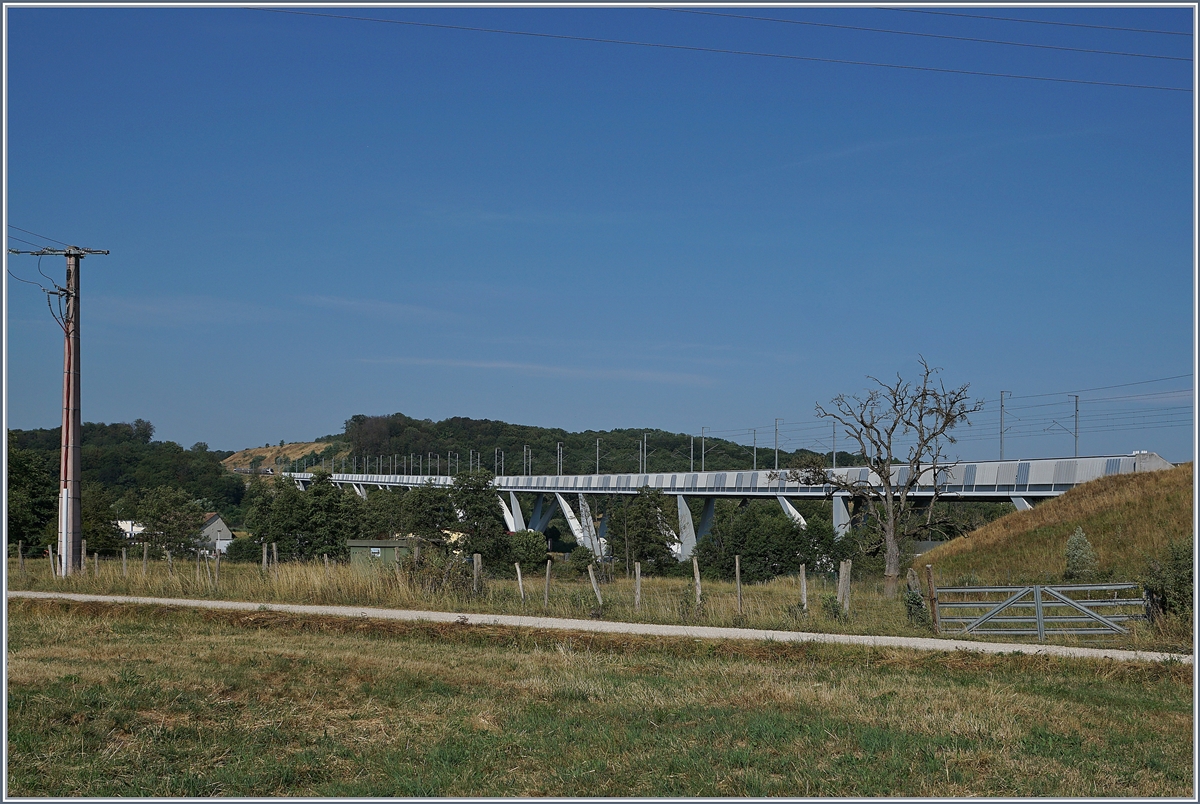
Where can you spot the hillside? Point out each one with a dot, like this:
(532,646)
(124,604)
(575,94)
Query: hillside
(492,441)
(288,452)
(1126,518)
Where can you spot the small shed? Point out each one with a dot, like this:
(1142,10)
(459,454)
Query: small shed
(367,550)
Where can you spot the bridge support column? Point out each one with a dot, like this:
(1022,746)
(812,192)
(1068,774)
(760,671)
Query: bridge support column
(581,536)
(841,517)
(687,530)
(706,517)
(515,508)
(792,513)
(508,517)
(1022,504)
(542,514)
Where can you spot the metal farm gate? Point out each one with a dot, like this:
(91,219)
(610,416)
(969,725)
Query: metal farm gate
(1038,610)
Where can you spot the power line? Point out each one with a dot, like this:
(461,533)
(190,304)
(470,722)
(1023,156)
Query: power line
(35,234)
(1038,22)
(1106,387)
(26,242)
(929,35)
(759,54)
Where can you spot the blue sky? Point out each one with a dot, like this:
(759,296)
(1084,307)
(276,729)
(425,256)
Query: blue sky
(314,217)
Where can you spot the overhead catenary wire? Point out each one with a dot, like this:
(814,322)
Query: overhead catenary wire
(1035,22)
(726,51)
(928,35)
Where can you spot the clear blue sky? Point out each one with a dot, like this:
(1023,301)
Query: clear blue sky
(313,217)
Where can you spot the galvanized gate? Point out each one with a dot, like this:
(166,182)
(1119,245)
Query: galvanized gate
(1040,610)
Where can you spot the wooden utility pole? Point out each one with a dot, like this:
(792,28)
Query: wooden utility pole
(70,521)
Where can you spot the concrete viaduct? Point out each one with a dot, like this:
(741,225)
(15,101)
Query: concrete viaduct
(1021,482)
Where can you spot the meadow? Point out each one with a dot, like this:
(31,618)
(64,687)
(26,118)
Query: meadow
(776,605)
(122,700)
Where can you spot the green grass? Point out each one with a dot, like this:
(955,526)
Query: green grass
(144,701)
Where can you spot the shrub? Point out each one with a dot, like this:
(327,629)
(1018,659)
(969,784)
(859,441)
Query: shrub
(1081,558)
(1168,579)
(832,608)
(579,560)
(528,548)
(914,606)
(243,549)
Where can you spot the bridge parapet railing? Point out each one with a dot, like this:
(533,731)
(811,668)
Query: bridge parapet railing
(1040,610)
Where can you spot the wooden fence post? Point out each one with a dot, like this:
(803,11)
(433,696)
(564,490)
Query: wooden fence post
(96,556)
(170,566)
(124,562)
(737,576)
(145,558)
(53,566)
(275,556)
(696,575)
(846,586)
(83,560)
(21,556)
(803,588)
(478,559)
(933,599)
(595,586)
(217,569)
(326,557)
(264,561)
(637,585)
(546,597)
(416,554)
(197,566)
(520,583)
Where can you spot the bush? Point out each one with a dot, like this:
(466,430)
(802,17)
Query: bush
(579,560)
(527,548)
(243,549)
(832,608)
(1081,558)
(914,606)
(1168,579)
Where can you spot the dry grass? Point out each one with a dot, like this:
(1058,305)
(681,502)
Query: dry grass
(125,700)
(1126,518)
(775,605)
(287,452)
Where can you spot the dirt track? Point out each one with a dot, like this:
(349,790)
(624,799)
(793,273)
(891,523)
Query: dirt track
(612,627)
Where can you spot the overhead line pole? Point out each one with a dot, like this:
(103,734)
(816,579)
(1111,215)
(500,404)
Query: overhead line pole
(70,520)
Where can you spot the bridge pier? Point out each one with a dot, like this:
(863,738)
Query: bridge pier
(841,516)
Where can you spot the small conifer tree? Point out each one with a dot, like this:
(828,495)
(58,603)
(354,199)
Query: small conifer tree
(1081,558)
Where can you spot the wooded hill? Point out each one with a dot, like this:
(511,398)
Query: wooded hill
(370,437)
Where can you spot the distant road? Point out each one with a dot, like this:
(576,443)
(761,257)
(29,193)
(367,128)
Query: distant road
(612,627)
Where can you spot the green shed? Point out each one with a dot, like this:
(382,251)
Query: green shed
(387,550)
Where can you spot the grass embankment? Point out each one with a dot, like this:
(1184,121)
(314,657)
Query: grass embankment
(284,454)
(1127,518)
(145,701)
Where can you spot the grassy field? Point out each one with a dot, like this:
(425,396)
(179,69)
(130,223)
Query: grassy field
(1126,517)
(145,701)
(773,605)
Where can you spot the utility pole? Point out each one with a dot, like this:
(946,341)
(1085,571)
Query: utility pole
(777,421)
(1076,423)
(597,456)
(70,520)
(835,445)
(702,429)
(560,457)
(755,434)
(1002,393)
(645,455)
(692,465)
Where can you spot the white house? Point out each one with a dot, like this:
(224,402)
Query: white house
(215,535)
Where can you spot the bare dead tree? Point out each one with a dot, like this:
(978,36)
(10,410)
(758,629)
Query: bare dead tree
(902,429)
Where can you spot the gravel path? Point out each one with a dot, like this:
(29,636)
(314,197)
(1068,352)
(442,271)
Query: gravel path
(611,627)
